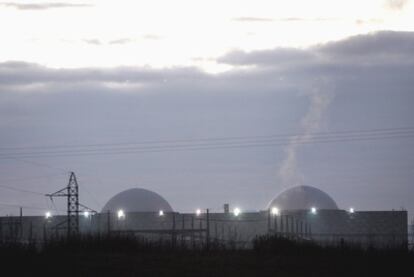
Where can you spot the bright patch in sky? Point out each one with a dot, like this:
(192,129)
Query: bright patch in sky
(184,32)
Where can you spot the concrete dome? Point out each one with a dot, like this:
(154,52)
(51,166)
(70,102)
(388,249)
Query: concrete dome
(137,200)
(303,198)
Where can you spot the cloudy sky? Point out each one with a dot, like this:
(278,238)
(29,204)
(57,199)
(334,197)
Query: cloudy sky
(207,102)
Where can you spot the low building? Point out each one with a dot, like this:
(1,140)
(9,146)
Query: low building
(299,213)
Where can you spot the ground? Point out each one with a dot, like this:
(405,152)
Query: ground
(127,257)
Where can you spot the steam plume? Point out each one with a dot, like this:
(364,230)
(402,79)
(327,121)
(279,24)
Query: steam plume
(320,98)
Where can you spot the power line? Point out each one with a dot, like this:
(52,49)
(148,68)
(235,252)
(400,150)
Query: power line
(194,147)
(22,190)
(234,138)
(29,178)
(292,139)
(288,139)
(37,164)
(210,146)
(91,195)
(25,206)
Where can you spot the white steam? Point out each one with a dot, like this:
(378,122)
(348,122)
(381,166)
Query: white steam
(310,123)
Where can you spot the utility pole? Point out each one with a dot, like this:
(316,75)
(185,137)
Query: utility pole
(297,227)
(306,229)
(287,226)
(275,223)
(200,234)
(192,231)
(301,229)
(208,229)
(310,230)
(173,235)
(21,224)
(268,221)
(31,232)
(182,230)
(108,222)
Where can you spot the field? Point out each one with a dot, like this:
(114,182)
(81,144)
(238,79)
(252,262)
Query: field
(126,256)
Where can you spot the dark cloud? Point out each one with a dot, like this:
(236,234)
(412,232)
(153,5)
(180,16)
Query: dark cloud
(374,44)
(43,6)
(396,5)
(279,68)
(371,54)
(370,77)
(275,57)
(16,73)
(382,47)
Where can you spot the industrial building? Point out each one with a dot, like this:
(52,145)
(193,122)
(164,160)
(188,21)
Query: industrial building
(301,212)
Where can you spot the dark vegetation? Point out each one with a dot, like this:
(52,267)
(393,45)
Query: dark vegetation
(129,256)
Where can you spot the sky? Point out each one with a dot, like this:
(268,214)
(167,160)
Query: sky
(207,102)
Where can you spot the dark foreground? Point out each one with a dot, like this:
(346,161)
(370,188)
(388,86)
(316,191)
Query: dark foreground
(95,256)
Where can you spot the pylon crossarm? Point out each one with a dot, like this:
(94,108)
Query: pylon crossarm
(59,193)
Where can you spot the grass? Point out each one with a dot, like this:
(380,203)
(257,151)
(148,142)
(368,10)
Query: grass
(129,256)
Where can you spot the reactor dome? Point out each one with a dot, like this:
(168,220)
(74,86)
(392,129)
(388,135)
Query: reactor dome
(137,200)
(303,198)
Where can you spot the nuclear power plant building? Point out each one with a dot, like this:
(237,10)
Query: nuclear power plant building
(301,212)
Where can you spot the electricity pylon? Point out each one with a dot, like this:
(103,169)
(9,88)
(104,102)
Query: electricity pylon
(71,191)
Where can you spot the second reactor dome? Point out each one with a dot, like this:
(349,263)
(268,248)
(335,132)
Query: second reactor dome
(303,198)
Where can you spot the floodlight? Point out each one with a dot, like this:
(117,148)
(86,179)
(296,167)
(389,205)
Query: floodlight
(121,214)
(275,211)
(236,211)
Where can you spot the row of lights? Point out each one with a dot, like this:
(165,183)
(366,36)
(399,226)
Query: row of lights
(313,210)
(48,214)
(236,212)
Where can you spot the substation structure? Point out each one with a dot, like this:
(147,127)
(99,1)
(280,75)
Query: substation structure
(300,213)
(378,229)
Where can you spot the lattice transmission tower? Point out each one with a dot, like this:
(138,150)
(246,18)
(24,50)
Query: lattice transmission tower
(71,191)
